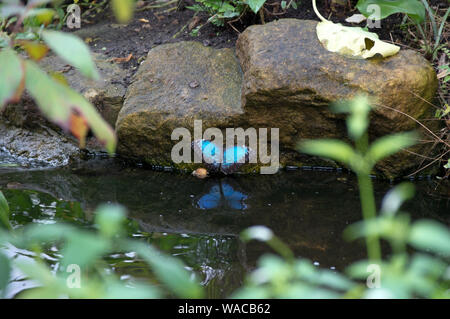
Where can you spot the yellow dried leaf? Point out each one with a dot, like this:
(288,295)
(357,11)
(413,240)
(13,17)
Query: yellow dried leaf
(35,50)
(351,41)
(59,77)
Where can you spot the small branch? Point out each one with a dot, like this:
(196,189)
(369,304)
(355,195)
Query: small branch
(261,15)
(412,118)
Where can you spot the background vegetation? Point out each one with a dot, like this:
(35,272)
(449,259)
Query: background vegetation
(28,32)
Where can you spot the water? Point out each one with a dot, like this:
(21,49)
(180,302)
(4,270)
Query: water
(199,221)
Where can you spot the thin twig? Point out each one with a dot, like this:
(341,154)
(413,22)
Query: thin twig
(429,164)
(419,155)
(418,122)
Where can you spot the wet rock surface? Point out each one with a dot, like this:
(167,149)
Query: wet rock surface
(176,84)
(42,147)
(34,141)
(279,76)
(290,81)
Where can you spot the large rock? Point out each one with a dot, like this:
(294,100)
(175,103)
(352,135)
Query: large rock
(33,140)
(176,84)
(290,81)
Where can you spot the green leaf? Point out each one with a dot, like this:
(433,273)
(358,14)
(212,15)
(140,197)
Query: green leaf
(4,212)
(255,5)
(393,229)
(247,292)
(11,76)
(391,144)
(429,234)
(73,50)
(168,269)
(272,269)
(41,273)
(413,8)
(109,219)
(328,148)
(5,271)
(123,9)
(426,265)
(396,197)
(37,270)
(447,166)
(117,290)
(264,234)
(37,233)
(358,120)
(261,233)
(334,280)
(42,15)
(60,103)
(358,270)
(83,249)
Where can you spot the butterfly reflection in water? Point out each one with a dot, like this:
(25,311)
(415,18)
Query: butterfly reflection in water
(222,195)
(216,160)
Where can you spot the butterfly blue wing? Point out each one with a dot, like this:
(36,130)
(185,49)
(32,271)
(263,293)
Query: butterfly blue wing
(234,199)
(209,151)
(210,200)
(233,158)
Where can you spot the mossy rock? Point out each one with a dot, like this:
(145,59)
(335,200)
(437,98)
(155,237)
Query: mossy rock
(290,80)
(282,78)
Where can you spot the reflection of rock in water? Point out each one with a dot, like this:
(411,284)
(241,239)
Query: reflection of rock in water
(308,210)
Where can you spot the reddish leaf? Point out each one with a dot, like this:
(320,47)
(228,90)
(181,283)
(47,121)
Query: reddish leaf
(63,106)
(79,128)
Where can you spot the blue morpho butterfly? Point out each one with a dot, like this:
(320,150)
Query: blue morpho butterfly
(222,195)
(226,162)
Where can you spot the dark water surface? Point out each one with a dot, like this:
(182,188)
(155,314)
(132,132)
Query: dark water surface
(200,220)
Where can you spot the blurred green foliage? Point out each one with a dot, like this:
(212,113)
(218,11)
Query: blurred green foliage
(23,29)
(84,250)
(221,11)
(424,273)
(413,8)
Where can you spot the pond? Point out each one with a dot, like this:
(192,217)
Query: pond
(199,220)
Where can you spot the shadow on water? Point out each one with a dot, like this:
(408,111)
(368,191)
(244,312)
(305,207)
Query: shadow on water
(200,220)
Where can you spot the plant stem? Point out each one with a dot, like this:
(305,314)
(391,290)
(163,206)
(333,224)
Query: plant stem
(317,11)
(261,15)
(432,19)
(369,213)
(441,28)
(367,198)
